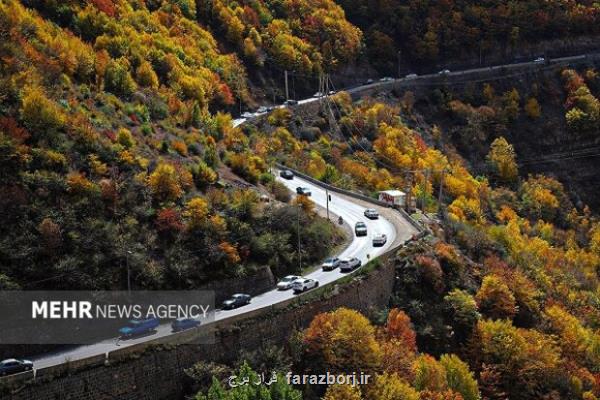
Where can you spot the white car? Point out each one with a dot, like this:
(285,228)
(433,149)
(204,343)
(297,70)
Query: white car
(411,76)
(287,282)
(386,79)
(331,92)
(304,284)
(247,114)
(539,60)
(379,240)
(371,213)
(262,110)
(444,72)
(318,94)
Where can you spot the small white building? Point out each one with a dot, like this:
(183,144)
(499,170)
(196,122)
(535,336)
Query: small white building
(393,197)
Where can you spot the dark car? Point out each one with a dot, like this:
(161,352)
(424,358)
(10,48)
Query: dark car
(350,264)
(303,191)
(360,229)
(286,174)
(136,327)
(14,366)
(182,324)
(237,300)
(290,102)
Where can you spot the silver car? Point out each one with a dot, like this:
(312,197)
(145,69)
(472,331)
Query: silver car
(379,240)
(330,264)
(371,213)
(287,282)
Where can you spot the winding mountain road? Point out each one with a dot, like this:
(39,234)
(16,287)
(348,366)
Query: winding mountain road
(390,223)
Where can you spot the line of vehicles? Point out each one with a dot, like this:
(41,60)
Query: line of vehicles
(298,284)
(291,102)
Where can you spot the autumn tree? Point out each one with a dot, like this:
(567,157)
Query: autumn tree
(164,183)
(398,327)
(391,386)
(196,211)
(342,340)
(495,299)
(502,161)
(145,75)
(429,374)
(40,115)
(342,392)
(463,311)
(460,379)
(533,108)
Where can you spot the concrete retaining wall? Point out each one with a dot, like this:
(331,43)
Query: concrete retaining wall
(155,370)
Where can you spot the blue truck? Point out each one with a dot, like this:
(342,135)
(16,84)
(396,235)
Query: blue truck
(136,327)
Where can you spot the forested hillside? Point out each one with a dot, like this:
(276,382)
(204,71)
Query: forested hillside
(111,148)
(429,32)
(511,281)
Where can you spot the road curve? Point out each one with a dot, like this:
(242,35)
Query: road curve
(393,225)
(350,210)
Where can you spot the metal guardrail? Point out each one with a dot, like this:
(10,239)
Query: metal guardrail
(355,195)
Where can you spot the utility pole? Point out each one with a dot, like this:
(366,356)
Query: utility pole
(287,88)
(408,191)
(298,226)
(328,197)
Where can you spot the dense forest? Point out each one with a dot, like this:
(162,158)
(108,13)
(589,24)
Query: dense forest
(111,156)
(433,32)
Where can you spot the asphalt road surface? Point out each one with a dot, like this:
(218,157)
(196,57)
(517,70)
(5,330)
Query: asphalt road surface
(351,211)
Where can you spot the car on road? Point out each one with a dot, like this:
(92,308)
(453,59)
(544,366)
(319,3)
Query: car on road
(444,72)
(14,366)
(368,81)
(304,284)
(386,79)
(379,240)
(286,174)
(183,324)
(290,102)
(331,93)
(287,282)
(262,110)
(371,213)
(330,264)
(137,327)
(318,94)
(236,301)
(360,229)
(411,76)
(304,191)
(350,264)
(539,60)
(247,114)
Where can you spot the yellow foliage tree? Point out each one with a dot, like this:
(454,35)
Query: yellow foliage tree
(502,160)
(164,183)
